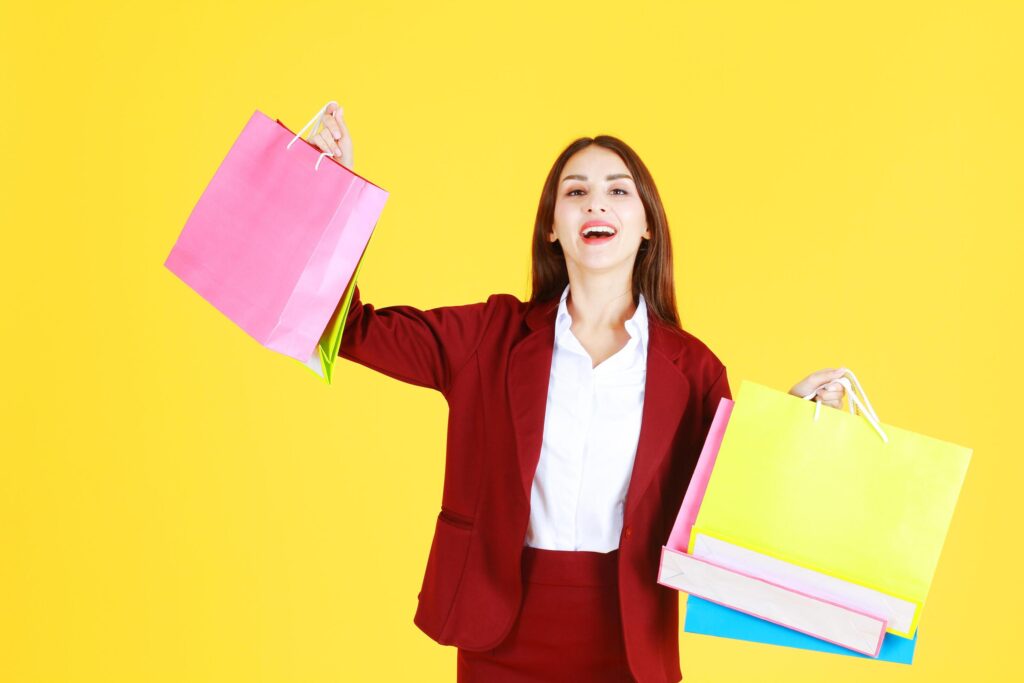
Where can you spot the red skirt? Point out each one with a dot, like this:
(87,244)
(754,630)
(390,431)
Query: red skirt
(568,627)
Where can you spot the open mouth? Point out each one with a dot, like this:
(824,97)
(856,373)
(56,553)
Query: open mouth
(598,233)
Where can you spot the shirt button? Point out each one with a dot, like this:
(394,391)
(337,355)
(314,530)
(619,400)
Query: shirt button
(627,532)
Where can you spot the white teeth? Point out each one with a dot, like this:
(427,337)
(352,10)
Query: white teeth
(598,229)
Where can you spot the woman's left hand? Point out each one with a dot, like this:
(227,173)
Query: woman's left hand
(831,394)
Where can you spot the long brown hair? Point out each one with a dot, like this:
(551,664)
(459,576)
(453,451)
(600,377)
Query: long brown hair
(652,270)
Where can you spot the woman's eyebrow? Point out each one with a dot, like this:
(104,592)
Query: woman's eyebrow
(613,176)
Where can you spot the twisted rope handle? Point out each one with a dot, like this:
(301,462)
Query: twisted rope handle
(312,122)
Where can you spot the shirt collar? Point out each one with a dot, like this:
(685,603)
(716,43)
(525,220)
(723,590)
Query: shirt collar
(635,326)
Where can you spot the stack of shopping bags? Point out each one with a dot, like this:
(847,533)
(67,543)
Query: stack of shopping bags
(276,240)
(810,528)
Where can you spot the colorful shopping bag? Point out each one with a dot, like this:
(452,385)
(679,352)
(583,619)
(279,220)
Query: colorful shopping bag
(834,497)
(738,592)
(276,237)
(771,591)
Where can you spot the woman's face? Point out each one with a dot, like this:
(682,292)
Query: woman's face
(596,188)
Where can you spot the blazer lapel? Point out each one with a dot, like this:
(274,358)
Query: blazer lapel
(665,398)
(529,369)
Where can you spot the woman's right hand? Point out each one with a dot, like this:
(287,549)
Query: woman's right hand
(333,138)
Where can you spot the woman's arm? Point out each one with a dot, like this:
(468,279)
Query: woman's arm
(427,348)
(718,390)
(423,347)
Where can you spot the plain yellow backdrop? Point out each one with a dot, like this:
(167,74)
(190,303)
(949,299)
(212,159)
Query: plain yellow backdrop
(177,503)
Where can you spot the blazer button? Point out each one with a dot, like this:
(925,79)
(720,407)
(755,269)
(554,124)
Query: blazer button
(627,532)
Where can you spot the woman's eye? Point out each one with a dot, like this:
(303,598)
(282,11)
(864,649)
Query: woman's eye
(617,189)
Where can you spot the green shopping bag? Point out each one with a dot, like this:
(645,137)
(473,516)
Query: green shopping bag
(330,341)
(835,492)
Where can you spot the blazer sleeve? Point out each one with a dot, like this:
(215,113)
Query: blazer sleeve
(422,347)
(718,390)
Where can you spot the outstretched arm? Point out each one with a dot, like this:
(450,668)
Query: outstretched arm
(423,347)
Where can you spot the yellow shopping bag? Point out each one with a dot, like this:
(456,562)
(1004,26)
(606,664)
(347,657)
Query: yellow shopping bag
(835,492)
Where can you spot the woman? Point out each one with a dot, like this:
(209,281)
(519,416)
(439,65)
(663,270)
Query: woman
(575,422)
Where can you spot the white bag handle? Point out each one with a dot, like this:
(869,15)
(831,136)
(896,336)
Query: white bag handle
(312,122)
(857,403)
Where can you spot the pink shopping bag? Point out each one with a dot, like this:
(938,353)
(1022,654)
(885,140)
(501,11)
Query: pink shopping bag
(679,539)
(275,238)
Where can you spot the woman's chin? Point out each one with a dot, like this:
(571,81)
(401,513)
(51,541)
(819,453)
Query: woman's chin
(603,263)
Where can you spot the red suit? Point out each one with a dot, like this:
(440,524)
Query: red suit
(491,361)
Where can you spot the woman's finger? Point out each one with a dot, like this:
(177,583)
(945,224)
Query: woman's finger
(328,137)
(335,113)
(830,398)
(331,124)
(315,140)
(340,118)
(826,374)
(815,380)
(831,394)
(332,137)
(320,140)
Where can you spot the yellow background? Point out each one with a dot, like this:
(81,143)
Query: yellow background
(843,183)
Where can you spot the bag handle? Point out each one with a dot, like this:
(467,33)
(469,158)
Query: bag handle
(312,122)
(857,403)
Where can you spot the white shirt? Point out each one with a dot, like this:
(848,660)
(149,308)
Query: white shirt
(591,428)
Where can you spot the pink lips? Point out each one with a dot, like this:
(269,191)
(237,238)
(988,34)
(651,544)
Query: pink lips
(597,240)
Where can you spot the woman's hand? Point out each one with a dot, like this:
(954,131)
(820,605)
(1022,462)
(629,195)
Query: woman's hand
(831,394)
(334,137)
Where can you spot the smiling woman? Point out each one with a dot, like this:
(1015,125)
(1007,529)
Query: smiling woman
(602,181)
(575,422)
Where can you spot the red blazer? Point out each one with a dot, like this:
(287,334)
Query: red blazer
(491,361)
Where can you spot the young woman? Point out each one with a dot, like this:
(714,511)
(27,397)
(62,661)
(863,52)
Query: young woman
(575,422)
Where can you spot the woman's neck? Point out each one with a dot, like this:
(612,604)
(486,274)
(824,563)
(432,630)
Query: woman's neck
(599,303)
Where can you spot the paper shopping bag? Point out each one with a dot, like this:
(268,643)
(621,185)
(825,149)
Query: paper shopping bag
(679,539)
(738,593)
(710,619)
(842,624)
(742,580)
(327,348)
(275,238)
(818,498)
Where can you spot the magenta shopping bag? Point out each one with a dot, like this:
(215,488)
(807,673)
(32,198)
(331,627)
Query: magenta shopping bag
(275,238)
